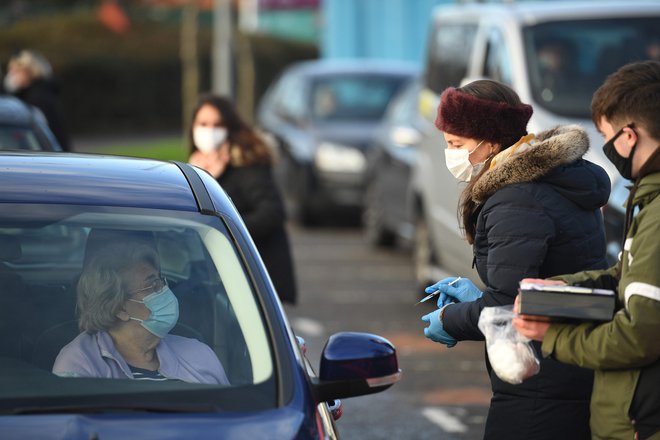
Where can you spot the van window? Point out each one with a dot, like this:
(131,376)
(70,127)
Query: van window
(450,47)
(497,65)
(569,60)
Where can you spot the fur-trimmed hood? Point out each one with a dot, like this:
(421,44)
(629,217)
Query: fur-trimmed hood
(554,159)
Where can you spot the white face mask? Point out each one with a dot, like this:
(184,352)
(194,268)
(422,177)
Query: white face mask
(458,163)
(209,139)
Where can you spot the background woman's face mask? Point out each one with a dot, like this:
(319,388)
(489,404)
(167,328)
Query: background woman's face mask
(458,163)
(209,139)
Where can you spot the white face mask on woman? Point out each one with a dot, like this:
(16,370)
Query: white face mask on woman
(458,163)
(208,139)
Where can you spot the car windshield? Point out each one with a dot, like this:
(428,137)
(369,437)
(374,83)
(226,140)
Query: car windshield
(353,97)
(569,60)
(18,138)
(72,306)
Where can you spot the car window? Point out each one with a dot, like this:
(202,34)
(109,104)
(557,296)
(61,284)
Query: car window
(18,138)
(351,97)
(568,60)
(449,51)
(51,253)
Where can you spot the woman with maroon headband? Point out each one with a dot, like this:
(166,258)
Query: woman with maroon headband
(530,210)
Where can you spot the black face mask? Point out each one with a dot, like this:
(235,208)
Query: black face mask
(622,164)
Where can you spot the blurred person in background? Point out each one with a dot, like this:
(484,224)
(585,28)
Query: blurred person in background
(652,50)
(325,102)
(558,66)
(232,152)
(624,352)
(30,78)
(531,206)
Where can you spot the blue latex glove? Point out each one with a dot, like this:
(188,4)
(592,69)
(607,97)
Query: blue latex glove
(463,290)
(435,332)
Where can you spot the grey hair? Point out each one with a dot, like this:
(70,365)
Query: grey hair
(34,62)
(101,289)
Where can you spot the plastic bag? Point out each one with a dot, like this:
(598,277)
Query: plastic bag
(510,354)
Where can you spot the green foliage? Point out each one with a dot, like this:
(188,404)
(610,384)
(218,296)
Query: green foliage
(166,149)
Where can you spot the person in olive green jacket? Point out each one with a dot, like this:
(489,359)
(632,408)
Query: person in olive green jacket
(624,352)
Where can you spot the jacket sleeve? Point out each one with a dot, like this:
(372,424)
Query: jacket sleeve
(596,279)
(266,209)
(518,233)
(630,340)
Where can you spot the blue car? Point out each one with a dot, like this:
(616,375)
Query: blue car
(104,260)
(24,127)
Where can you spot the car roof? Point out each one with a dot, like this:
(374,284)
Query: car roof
(355,66)
(14,112)
(530,12)
(89,179)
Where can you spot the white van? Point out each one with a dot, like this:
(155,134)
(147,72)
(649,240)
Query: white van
(517,43)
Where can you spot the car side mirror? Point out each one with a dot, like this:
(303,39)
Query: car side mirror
(355,364)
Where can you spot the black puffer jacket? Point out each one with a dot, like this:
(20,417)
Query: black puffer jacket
(256,197)
(540,217)
(44,94)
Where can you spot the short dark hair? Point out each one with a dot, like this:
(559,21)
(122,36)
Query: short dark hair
(631,94)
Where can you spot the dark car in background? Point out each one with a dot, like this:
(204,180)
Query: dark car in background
(322,115)
(386,216)
(24,127)
(59,210)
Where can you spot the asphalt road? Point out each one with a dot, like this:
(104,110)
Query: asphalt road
(345,285)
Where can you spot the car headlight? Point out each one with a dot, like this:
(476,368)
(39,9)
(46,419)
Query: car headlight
(339,158)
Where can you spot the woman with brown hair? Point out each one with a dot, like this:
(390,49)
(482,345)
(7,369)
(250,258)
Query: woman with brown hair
(530,210)
(225,146)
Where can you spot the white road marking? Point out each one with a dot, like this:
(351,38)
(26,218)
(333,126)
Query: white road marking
(444,420)
(307,327)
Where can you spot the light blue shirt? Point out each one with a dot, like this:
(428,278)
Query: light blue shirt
(95,355)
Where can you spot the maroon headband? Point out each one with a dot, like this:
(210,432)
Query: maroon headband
(465,115)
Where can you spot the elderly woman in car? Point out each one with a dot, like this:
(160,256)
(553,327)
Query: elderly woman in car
(126,311)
